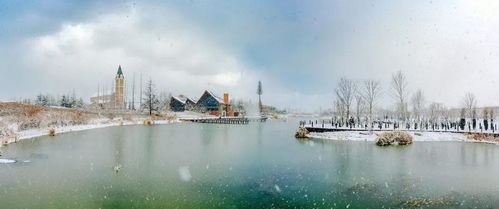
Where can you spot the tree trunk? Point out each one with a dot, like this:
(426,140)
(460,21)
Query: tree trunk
(260,104)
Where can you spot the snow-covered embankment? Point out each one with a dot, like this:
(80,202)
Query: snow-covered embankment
(417,136)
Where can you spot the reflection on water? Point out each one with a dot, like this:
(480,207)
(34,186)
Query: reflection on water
(234,166)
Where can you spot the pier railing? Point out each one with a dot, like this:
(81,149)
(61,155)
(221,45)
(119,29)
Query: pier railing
(227,120)
(451,127)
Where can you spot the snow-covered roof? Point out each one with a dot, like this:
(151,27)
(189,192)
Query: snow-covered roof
(180,99)
(220,100)
(194,99)
(183,99)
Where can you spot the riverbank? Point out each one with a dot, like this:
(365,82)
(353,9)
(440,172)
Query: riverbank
(31,133)
(15,136)
(417,136)
(20,122)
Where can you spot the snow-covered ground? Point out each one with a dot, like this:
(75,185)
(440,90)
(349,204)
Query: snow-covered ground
(417,136)
(31,133)
(402,127)
(92,124)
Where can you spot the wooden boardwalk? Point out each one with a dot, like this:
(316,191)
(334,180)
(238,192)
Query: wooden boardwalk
(228,120)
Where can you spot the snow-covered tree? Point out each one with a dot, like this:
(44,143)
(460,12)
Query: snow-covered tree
(151,101)
(446,114)
(259,91)
(485,113)
(469,103)
(418,103)
(371,93)
(344,94)
(339,110)
(42,100)
(65,101)
(434,112)
(73,101)
(359,105)
(164,101)
(400,92)
(79,103)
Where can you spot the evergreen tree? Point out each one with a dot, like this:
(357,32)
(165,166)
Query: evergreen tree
(73,101)
(79,103)
(64,101)
(259,91)
(42,100)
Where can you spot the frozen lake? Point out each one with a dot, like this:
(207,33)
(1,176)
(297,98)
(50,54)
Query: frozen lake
(260,165)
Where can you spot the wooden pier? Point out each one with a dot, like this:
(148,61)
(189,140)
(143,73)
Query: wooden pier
(222,120)
(226,120)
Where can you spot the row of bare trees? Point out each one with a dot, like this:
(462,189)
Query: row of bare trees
(358,101)
(366,97)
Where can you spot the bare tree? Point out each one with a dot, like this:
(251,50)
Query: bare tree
(370,93)
(359,105)
(164,101)
(133,93)
(400,91)
(435,112)
(344,93)
(339,111)
(446,114)
(151,101)
(418,101)
(485,113)
(462,113)
(469,103)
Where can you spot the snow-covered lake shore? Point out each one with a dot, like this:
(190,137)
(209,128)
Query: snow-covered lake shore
(20,121)
(417,136)
(94,124)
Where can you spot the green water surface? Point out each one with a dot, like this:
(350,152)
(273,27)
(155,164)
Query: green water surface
(260,165)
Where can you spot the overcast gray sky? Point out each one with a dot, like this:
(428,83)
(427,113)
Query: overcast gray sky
(299,49)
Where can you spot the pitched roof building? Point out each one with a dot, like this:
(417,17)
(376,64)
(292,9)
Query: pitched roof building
(116,98)
(207,103)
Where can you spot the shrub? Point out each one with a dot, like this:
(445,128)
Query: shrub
(52,132)
(148,122)
(394,137)
(301,133)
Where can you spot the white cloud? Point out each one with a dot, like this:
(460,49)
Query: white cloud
(179,58)
(446,48)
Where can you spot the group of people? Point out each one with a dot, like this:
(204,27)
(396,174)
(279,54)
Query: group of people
(471,125)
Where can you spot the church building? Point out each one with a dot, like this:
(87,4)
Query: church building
(112,100)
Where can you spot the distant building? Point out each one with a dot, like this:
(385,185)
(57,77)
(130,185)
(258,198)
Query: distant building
(112,100)
(214,105)
(182,103)
(177,104)
(190,104)
(207,103)
(119,92)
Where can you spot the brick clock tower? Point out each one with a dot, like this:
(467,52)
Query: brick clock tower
(119,93)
